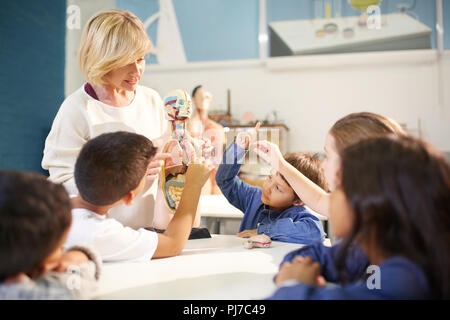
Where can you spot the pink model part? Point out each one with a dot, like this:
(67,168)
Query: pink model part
(178,105)
(258,241)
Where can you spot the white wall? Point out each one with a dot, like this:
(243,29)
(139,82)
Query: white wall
(311,93)
(308,93)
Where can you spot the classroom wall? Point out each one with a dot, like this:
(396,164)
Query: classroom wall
(32,55)
(311,93)
(308,93)
(32,83)
(216,30)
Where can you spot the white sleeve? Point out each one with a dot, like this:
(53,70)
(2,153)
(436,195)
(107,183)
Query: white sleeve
(68,134)
(116,242)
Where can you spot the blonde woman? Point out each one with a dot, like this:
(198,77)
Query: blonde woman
(111,56)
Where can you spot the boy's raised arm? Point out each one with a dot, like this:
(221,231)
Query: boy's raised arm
(236,191)
(173,240)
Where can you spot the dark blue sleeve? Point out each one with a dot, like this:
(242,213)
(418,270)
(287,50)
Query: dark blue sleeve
(304,230)
(237,192)
(308,292)
(398,278)
(355,265)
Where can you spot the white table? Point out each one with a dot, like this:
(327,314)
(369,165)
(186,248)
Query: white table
(219,215)
(217,206)
(215,268)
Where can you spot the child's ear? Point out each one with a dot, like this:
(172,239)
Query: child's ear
(128,198)
(298,202)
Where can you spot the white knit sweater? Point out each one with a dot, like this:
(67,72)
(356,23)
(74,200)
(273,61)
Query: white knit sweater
(81,118)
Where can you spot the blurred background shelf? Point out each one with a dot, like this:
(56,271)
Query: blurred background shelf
(398,31)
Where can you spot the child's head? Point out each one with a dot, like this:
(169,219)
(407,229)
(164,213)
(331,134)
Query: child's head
(395,199)
(276,191)
(111,166)
(34,222)
(349,130)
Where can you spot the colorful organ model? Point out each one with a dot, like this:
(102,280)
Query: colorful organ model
(178,106)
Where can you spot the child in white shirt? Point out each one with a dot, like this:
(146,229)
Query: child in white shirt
(111,170)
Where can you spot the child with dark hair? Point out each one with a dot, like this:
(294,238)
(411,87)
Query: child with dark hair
(110,170)
(274,210)
(392,210)
(350,129)
(34,222)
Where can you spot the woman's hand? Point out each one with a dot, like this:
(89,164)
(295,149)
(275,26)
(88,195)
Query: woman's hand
(248,233)
(244,139)
(301,269)
(154,167)
(176,152)
(270,153)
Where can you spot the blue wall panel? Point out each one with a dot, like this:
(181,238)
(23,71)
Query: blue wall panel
(32,44)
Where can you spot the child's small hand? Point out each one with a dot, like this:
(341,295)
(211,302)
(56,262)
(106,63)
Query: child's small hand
(70,258)
(270,153)
(244,139)
(302,269)
(198,172)
(248,233)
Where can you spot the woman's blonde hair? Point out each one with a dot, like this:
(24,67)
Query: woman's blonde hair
(111,39)
(362,125)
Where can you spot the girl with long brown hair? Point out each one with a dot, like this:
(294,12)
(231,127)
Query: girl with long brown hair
(393,203)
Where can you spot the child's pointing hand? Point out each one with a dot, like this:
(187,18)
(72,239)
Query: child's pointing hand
(244,139)
(270,153)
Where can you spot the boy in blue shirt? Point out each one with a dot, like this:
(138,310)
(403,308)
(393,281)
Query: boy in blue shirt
(274,210)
